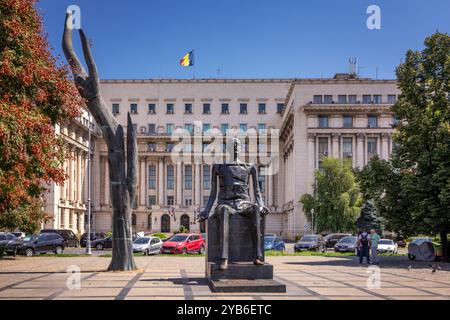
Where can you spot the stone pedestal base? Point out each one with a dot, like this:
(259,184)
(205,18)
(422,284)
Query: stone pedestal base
(243,285)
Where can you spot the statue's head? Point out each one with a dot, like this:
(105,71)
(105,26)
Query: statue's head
(234,147)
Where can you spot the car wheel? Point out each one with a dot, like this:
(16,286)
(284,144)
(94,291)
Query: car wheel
(99,247)
(202,249)
(184,251)
(59,250)
(29,252)
(411,257)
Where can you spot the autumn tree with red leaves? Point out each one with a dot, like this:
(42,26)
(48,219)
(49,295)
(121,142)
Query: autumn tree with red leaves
(36,94)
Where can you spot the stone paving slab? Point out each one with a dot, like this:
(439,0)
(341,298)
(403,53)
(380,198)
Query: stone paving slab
(180,278)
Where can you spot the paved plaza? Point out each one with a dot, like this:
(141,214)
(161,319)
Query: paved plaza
(174,277)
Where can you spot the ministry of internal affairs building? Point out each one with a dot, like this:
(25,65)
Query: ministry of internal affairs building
(344,117)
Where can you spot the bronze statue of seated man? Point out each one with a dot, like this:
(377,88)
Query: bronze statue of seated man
(234,198)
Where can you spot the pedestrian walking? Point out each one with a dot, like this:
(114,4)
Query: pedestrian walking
(364,246)
(374,240)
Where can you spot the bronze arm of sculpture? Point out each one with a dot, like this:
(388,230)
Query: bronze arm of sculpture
(212,196)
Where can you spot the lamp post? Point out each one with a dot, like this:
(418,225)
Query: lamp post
(88,239)
(312,220)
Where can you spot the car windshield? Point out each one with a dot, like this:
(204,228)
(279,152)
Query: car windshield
(348,240)
(309,239)
(177,238)
(141,240)
(28,238)
(268,238)
(384,241)
(421,240)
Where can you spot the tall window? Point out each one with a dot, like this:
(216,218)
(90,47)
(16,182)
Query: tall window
(377,98)
(262,128)
(115,108)
(391,98)
(243,108)
(261,180)
(151,128)
(149,221)
(347,147)
(189,128)
(262,108)
(170,108)
(152,177)
(372,121)
(371,147)
(188,201)
(169,147)
(165,221)
(323,121)
(206,177)
(367,98)
(323,149)
(188,177)
(133,220)
(169,128)
(328,99)
(225,108)
(133,108)
(243,127)
(206,108)
(188,108)
(224,127)
(317,99)
(152,108)
(206,127)
(205,201)
(342,99)
(347,121)
(170,201)
(280,107)
(170,177)
(151,201)
(352,99)
(151,147)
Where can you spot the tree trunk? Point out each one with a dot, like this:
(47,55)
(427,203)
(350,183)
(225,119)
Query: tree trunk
(445,246)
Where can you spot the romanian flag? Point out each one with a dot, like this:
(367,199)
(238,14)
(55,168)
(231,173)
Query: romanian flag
(188,60)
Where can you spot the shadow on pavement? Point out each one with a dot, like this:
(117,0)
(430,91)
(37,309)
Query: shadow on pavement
(180,281)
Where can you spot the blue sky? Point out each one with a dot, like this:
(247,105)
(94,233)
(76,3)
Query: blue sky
(142,39)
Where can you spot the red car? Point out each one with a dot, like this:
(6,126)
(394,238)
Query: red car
(184,243)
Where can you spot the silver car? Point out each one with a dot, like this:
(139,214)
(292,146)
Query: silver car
(147,245)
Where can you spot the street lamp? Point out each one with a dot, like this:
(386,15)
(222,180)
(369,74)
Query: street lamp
(312,220)
(88,239)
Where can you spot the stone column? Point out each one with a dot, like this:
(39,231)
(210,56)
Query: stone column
(311,159)
(385,146)
(142,183)
(197,185)
(269,179)
(66,218)
(360,149)
(79,177)
(71,177)
(81,222)
(161,181)
(179,186)
(335,146)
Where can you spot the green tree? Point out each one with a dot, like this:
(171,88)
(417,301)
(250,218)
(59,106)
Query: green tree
(414,192)
(336,201)
(368,218)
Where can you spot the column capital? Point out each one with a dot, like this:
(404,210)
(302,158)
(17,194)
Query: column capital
(312,136)
(360,136)
(335,136)
(385,136)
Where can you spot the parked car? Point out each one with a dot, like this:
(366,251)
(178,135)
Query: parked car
(310,242)
(147,245)
(30,245)
(346,244)
(69,236)
(333,238)
(272,242)
(5,238)
(101,244)
(387,246)
(184,243)
(19,234)
(94,236)
(422,249)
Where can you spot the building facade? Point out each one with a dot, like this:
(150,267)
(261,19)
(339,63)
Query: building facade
(304,119)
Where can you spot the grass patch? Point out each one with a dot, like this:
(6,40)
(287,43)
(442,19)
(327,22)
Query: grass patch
(189,255)
(309,253)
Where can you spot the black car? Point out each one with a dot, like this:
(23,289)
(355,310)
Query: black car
(100,244)
(94,236)
(5,238)
(69,236)
(333,238)
(311,242)
(346,244)
(30,245)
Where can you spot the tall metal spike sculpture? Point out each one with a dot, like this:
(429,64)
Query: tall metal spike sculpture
(122,173)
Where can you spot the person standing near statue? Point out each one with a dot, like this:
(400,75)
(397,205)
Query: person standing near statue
(374,239)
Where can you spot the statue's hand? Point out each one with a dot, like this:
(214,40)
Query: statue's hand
(264,211)
(203,216)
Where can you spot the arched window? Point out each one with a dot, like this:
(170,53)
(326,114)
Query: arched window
(185,221)
(165,223)
(149,222)
(133,220)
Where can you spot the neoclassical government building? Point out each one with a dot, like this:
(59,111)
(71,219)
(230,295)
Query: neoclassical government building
(297,121)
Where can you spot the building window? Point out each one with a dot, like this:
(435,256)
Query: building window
(188,201)
(352,99)
(206,108)
(185,221)
(225,108)
(169,128)
(170,201)
(149,222)
(243,108)
(372,121)
(280,107)
(342,99)
(170,177)
(377,98)
(262,108)
(323,122)
(206,127)
(328,99)
(169,147)
(223,128)
(243,127)
(151,147)
(261,128)
(323,149)
(261,180)
(135,127)
(205,201)
(206,177)
(395,122)
(205,147)
(347,147)
(152,108)
(317,99)
(115,108)
(151,128)
(188,177)
(189,128)
(133,220)
(188,108)
(187,147)
(133,108)
(152,177)
(391,98)
(165,221)
(151,201)
(367,98)
(371,147)
(170,108)
(347,121)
